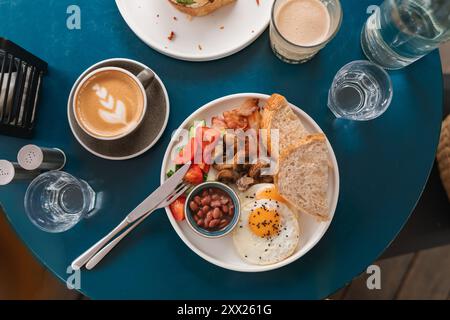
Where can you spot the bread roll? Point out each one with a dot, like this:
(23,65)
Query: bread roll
(199,7)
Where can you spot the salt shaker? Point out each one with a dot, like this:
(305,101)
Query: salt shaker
(32,157)
(11,171)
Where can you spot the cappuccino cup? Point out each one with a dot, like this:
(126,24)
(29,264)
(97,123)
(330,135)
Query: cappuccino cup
(110,103)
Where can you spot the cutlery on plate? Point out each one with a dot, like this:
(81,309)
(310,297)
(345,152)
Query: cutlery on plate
(161,197)
(106,249)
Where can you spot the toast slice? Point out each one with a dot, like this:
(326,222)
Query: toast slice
(278,114)
(302,176)
(199,7)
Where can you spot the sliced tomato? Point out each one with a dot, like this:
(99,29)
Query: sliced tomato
(179,158)
(177,208)
(199,148)
(194,175)
(207,135)
(187,153)
(208,139)
(211,135)
(204,167)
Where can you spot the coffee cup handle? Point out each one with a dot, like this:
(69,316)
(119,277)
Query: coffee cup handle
(146,77)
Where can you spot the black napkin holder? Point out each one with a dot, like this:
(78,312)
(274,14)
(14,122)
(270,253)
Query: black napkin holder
(21,76)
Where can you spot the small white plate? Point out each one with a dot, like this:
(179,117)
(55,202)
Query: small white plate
(221,252)
(220,34)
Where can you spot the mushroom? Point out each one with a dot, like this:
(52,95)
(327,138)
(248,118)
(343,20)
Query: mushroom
(222,166)
(255,170)
(266,179)
(255,173)
(229,176)
(244,183)
(240,162)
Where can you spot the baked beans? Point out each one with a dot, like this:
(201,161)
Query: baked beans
(212,209)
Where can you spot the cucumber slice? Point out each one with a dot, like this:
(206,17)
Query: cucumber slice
(193,129)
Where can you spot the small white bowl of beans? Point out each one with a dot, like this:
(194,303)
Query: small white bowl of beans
(212,209)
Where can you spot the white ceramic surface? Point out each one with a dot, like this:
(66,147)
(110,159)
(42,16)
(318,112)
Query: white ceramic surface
(221,252)
(220,34)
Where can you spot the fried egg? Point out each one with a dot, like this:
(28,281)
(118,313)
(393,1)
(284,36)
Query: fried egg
(261,191)
(267,232)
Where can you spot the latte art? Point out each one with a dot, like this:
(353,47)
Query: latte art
(115,109)
(109,104)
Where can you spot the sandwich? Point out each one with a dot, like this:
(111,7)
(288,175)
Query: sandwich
(199,7)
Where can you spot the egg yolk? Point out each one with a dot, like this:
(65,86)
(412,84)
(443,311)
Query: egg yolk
(264,223)
(271,194)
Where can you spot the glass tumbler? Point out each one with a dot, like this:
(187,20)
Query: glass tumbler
(361,90)
(291,52)
(56,201)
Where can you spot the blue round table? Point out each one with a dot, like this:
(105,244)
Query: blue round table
(384,164)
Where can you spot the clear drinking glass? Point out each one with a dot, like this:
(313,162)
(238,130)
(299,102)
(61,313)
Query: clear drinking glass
(293,53)
(56,201)
(403,31)
(360,91)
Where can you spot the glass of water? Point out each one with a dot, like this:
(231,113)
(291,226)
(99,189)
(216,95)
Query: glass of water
(360,91)
(400,32)
(56,201)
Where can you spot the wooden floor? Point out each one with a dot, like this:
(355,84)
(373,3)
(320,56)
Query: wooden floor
(445,55)
(21,276)
(420,275)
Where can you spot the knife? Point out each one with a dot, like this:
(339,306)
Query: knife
(159,194)
(150,203)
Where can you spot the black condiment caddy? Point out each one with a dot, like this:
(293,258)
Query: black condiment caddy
(21,76)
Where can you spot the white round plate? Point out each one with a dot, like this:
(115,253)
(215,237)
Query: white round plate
(220,34)
(221,252)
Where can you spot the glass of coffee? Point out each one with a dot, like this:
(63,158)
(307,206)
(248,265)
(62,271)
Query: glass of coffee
(110,103)
(300,28)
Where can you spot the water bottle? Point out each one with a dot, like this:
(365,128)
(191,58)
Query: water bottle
(401,32)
